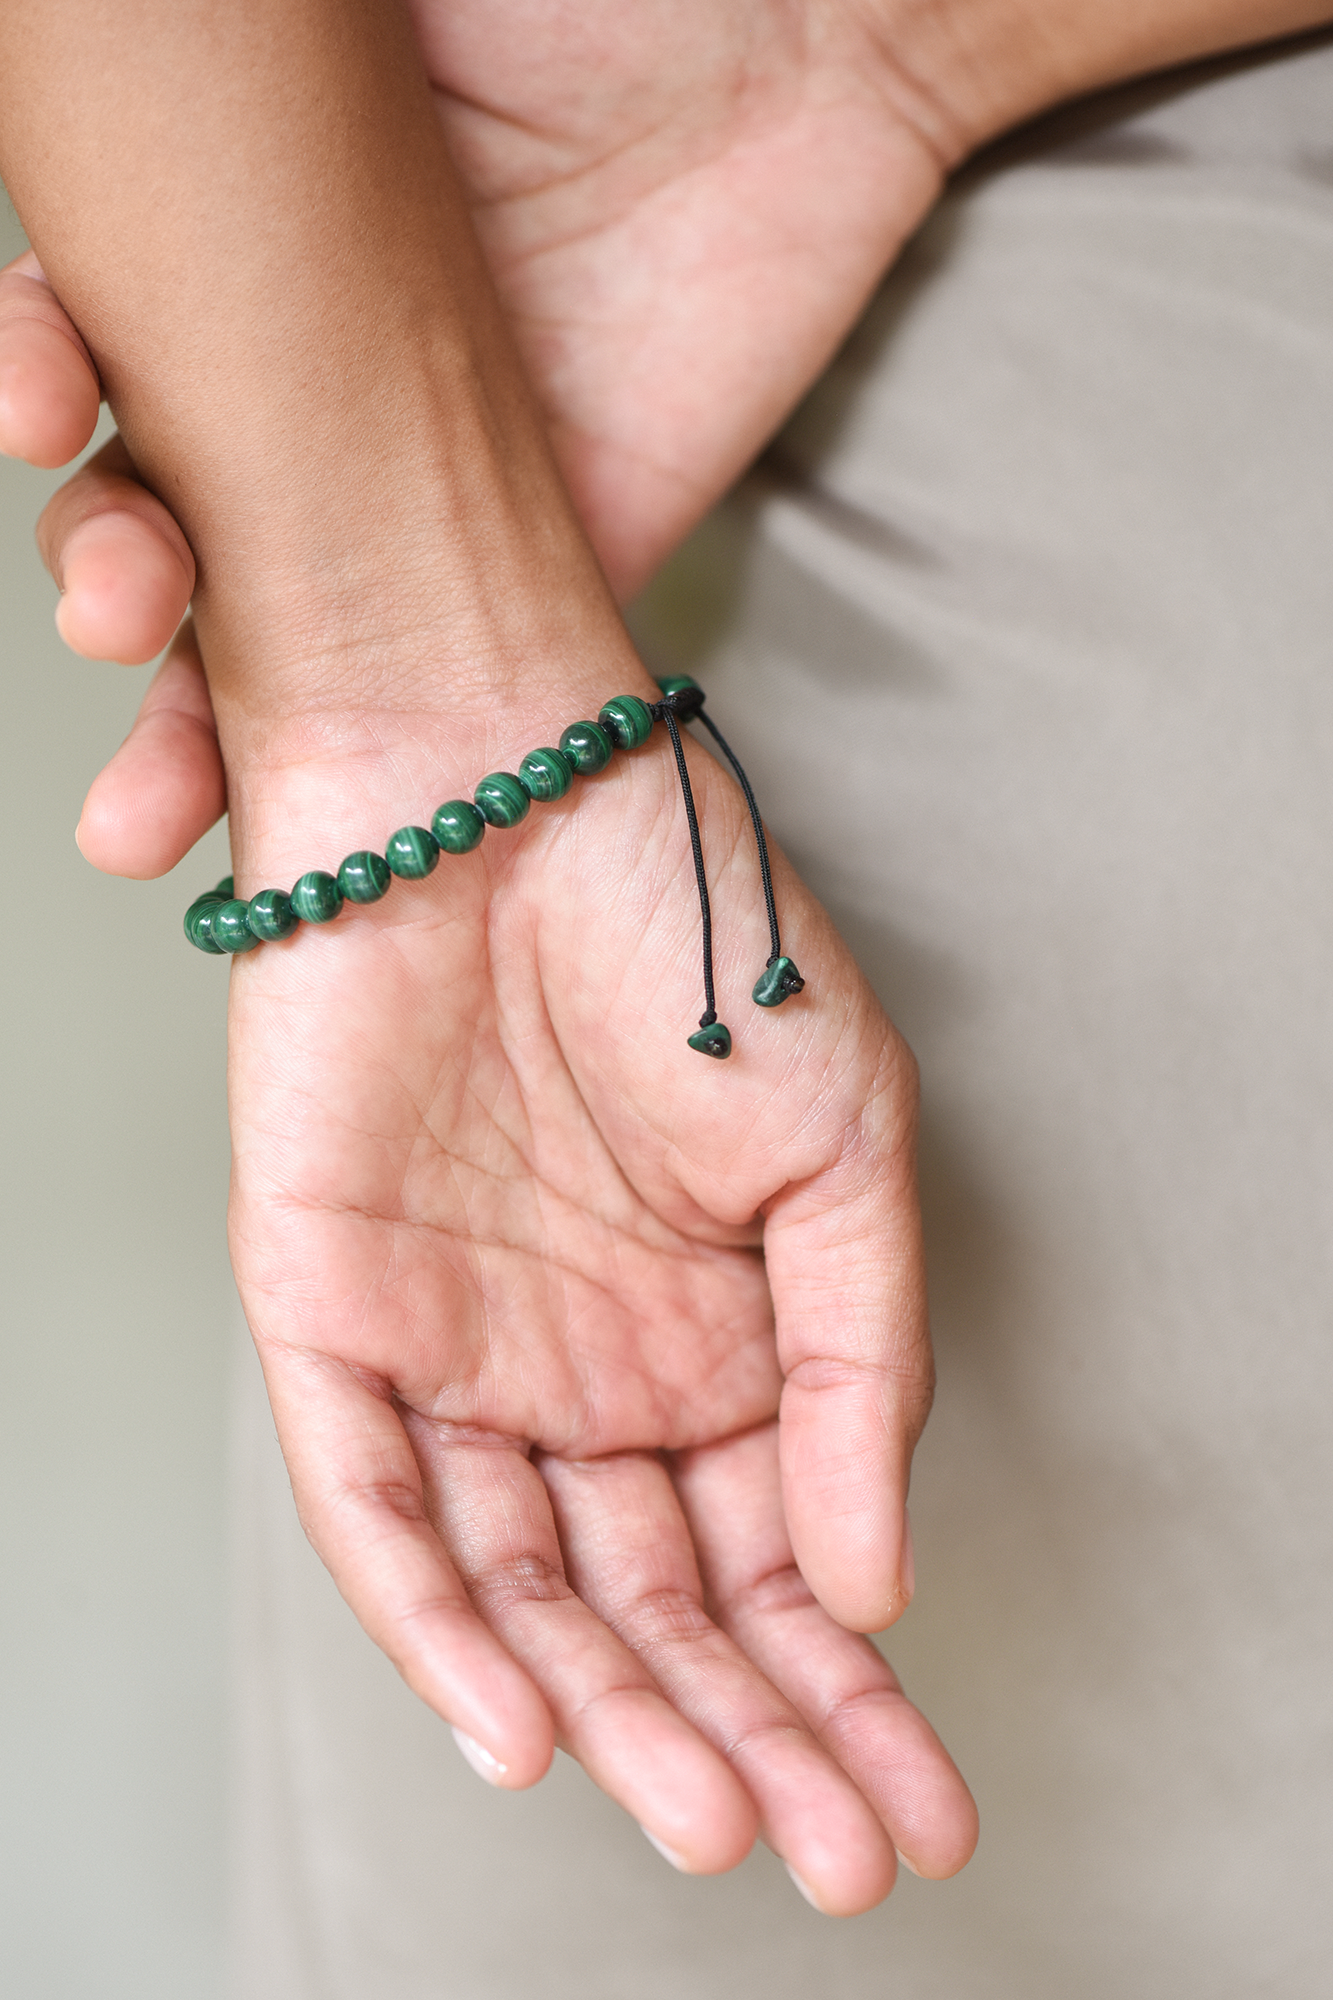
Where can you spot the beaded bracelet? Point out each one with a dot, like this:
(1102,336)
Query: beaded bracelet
(219,921)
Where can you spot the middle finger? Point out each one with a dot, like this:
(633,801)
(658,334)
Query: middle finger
(628,1554)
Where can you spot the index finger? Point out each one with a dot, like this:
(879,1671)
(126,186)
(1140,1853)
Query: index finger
(847,1270)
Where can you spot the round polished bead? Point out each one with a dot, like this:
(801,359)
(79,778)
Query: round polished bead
(412,852)
(364,877)
(545,774)
(676,683)
(199,921)
(627,721)
(458,826)
(226,888)
(228,926)
(272,916)
(317,898)
(501,799)
(587,746)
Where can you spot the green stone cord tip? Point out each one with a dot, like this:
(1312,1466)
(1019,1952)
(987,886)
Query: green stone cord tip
(364,877)
(317,898)
(199,921)
(545,774)
(458,826)
(776,983)
(714,1040)
(272,916)
(502,799)
(677,683)
(226,888)
(412,852)
(229,928)
(627,721)
(587,746)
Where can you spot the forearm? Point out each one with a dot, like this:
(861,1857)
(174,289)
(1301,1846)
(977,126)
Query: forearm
(276,276)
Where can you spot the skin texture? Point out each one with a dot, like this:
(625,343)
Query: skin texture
(496,1231)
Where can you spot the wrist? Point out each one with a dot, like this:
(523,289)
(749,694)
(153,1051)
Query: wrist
(976,68)
(317,782)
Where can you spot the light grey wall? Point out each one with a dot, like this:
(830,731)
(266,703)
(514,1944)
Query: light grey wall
(115,1312)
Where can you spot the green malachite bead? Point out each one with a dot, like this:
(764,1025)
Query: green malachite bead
(458,826)
(228,926)
(627,721)
(776,983)
(502,799)
(546,774)
(364,877)
(226,888)
(199,921)
(587,746)
(412,852)
(674,683)
(317,898)
(714,1041)
(272,916)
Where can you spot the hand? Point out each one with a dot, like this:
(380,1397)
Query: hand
(498,1234)
(497,1230)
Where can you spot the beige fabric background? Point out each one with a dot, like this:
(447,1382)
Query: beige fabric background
(1026,631)
(116,1313)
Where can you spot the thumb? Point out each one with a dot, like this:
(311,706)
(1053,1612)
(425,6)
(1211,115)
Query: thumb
(846,1267)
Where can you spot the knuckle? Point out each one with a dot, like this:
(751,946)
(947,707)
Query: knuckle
(524,1577)
(670,1617)
(774,1594)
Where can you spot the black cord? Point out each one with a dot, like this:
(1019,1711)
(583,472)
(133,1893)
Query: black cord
(752,803)
(705,912)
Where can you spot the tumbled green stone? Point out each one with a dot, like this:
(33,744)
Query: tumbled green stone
(627,721)
(458,826)
(714,1041)
(776,983)
(587,746)
(364,877)
(271,915)
(675,683)
(317,898)
(228,926)
(199,921)
(226,888)
(546,774)
(412,852)
(502,799)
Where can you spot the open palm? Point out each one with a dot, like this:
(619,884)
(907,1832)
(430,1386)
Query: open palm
(498,1232)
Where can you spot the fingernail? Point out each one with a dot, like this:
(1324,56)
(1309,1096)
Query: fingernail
(910,1866)
(805,1889)
(907,1561)
(487,1767)
(667,1853)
